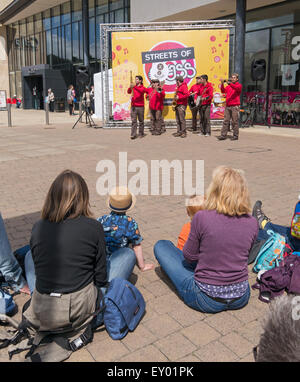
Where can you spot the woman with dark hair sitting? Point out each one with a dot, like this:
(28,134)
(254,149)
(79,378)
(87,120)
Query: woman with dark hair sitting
(211,272)
(68,247)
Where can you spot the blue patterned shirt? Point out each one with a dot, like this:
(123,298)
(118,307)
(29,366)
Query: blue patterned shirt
(120,230)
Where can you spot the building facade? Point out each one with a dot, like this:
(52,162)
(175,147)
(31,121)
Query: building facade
(42,46)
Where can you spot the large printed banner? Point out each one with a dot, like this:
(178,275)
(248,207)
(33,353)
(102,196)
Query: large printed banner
(164,55)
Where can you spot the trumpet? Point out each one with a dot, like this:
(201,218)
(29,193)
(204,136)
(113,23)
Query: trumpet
(159,89)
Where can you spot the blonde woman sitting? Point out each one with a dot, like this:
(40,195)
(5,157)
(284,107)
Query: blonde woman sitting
(219,243)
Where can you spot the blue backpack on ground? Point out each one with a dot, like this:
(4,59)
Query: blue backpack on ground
(124,308)
(271,253)
(7,304)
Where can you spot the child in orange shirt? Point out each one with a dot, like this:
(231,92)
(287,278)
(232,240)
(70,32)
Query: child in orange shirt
(195,204)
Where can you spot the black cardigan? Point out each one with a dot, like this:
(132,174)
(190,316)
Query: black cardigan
(68,255)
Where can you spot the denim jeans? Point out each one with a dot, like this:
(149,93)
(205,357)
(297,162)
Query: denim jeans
(284,231)
(181,274)
(9,267)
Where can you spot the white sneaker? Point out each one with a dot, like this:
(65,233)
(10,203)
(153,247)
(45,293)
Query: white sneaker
(207,135)
(200,134)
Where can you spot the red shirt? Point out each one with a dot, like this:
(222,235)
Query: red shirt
(156,99)
(207,92)
(183,94)
(233,92)
(194,89)
(138,95)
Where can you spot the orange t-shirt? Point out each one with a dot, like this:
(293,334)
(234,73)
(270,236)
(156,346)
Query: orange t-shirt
(183,236)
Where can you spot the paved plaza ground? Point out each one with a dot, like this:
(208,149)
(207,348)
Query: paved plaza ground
(31,155)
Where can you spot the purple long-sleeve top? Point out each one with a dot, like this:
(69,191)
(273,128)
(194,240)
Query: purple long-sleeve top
(220,244)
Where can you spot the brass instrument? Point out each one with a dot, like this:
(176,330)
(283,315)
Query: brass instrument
(159,89)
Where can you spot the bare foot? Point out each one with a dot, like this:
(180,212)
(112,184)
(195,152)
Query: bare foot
(148,267)
(25,289)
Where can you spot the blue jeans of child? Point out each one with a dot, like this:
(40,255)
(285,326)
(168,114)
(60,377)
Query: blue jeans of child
(181,274)
(284,231)
(9,267)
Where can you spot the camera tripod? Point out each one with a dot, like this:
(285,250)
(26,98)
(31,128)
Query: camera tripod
(88,118)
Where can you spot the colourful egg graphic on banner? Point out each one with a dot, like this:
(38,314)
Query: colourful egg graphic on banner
(167,60)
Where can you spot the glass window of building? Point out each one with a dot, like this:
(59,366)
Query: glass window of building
(22,25)
(256,50)
(55,41)
(284,94)
(47,19)
(68,44)
(116,4)
(99,20)
(91,8)
(38,25)
(76,10)
(30,29)
(65,13)
(55,16)
(101,6)
(80,42)
(92,32)
(75,42)
(49,47)
(119,16)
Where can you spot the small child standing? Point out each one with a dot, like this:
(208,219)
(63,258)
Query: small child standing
(120,229)
(195,204)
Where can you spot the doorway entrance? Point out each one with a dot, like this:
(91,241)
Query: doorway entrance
(33,92)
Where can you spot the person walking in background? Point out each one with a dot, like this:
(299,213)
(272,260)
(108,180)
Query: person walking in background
(138,91)
(181,98)
(35,97)
(206,93)
(51,100)
(233,92)
(70,99)
(74,99)
(92,98)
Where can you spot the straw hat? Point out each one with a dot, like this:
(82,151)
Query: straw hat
(121,199)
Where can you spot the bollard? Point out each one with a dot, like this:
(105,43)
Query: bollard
(47,112)
(9,114)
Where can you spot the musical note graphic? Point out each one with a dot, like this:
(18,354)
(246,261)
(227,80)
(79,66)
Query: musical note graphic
(213,49)
(227,38)
(125,51)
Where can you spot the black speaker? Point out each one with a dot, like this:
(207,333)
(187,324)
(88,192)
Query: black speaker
(258,69)
(82,76)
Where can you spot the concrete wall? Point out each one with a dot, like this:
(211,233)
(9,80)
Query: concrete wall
(4,79)
(4,4)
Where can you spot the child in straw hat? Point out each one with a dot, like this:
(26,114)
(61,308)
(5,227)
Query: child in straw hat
(195,204)
(120,229)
